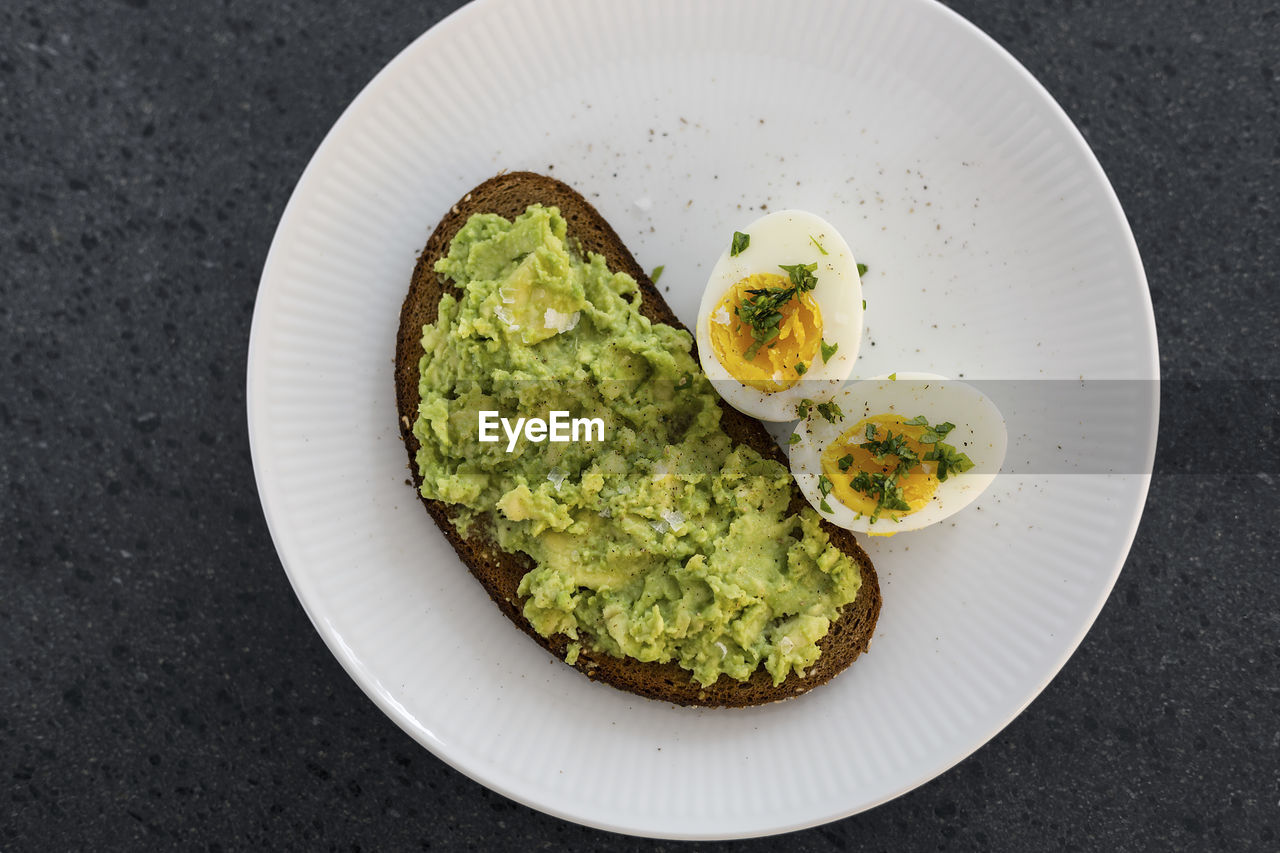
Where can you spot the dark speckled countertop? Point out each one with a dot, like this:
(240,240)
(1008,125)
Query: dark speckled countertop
(161,684)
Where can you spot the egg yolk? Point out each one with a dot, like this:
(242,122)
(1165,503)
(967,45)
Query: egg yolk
(773,367)
(917,484)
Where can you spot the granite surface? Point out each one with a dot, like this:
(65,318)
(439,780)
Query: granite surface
(160,685)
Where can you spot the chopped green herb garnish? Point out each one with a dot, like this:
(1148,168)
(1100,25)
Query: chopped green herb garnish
(828,350)
(801,275)
(883,487)
(740,243)
(802,408)
(862,270)
(657,273)
(831,411)
(893,377)
(949,460)
(895,445)
(801,369)
(934,434)
(825,507)
(762,313)
(815,242)
(794,438)
(864,305)
(824,485)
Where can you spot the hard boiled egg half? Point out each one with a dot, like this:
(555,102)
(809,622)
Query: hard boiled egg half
(898,453)
(781,316)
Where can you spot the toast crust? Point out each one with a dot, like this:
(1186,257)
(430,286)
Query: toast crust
(499,572)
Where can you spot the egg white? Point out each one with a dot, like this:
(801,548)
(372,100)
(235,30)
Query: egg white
(783,237)
(980,433)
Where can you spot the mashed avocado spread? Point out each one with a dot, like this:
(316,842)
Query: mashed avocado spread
(664,542)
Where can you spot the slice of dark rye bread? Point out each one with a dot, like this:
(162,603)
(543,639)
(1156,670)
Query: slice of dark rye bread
(499,572)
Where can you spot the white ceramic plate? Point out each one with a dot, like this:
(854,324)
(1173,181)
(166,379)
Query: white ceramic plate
(997,250)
